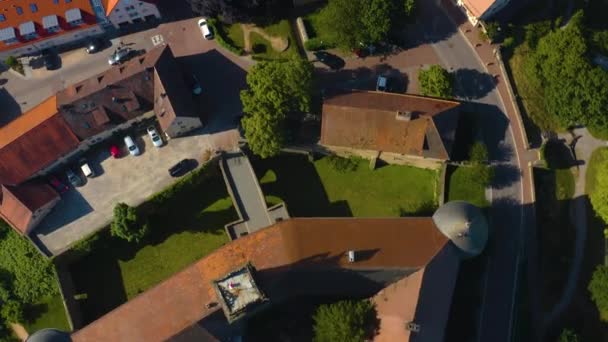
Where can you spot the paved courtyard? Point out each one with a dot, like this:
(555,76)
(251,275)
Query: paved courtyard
(129,179)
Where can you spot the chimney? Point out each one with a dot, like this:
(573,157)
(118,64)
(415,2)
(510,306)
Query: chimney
(404,115)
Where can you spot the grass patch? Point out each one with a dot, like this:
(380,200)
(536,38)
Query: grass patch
(47,313)
(188,221)
(463,185)
(318,190)
(262,50)
(597,158)
(315,30)
(235,34)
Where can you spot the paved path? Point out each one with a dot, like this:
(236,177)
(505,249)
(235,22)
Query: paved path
(585,146)
(20,331)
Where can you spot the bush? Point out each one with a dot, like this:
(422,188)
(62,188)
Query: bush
(478,154)
(343,321)
(492,30)
(12,311)
(126,224)
(12,62)
(535,31)
(568,335)
(409,6)
(316,44)
(31,275)
(221,38)
(343,165)
(508,43)
(598,287)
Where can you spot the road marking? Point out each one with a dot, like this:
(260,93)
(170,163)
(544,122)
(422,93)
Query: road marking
(157,39)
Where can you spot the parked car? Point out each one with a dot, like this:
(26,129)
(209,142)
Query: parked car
(382,83)
(181,167)
(58,185)
(114,151)
(94,45)
(332,61)
(133,149)
(51,60)
(86,169)
(119,56)
(156,139)
(195,85)
(73,178)
(205,29)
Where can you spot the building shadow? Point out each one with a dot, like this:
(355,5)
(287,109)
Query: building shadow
(222,81)
(10,107)
(70,208)
(494,127)
(299,185)
(472,84)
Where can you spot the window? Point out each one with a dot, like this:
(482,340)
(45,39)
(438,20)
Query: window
(68,1)
(19,10)
(56,2)
(33,8)
(2,17)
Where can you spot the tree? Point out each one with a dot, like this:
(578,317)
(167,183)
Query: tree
(478,153)
(598,287)
(409,7)
(435,81)
(568,335)
(276,89)
(599,195)
(12,311)
(126,224)
(343,321)
(351,22)
(232,11)
(574,90)
(479,157)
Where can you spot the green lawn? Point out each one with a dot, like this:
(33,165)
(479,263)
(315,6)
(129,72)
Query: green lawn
(317,190)
(597,157)
(187,224)
(462,185)
(235,34)
(279,29)
(48,313)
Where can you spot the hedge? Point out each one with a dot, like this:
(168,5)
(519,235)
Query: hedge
(220,36)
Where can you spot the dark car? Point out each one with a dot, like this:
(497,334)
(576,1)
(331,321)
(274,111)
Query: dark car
(332,61)
(182,167)
(94,45)
(58,185)
(51,60)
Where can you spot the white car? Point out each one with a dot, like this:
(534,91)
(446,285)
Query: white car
(156,139)
(382,84)
(133,149)
(205,30)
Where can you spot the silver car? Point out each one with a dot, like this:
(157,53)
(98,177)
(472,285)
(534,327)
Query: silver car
(157,141)
(119,56)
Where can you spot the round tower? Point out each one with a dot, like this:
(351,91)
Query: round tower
(465,225)
(49,335)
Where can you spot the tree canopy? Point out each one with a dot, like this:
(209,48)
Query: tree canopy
(568,335)
(232,11)
(598,287)
(351,22)
(575,90)
(343,321)
(436,81)
(126,224)
(276,89)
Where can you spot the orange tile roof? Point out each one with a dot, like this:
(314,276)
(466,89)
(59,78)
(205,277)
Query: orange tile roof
(387,243)
(32,141)
(369,120)
(478,7)
(109,5)
(18,203)
(8,8)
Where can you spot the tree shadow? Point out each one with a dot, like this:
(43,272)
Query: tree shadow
(493,130)
(558,155)
(472,84)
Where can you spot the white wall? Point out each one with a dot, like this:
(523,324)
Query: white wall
(58,39)
(128,10)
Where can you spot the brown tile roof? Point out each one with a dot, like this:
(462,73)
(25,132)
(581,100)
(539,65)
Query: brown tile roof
(8,8)
(374,121)
(18,203)
(33,141)
(292,244)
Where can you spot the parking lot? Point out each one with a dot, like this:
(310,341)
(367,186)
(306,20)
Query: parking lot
(128,179)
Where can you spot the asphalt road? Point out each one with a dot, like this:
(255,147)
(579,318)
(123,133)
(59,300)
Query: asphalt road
(474,85)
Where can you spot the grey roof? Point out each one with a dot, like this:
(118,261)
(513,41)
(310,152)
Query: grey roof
(49,335)
(464,224)
(27,28)
(73,14)
(7,33)
(50,21)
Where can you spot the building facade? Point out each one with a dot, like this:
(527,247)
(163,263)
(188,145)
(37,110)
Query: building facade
(121,13)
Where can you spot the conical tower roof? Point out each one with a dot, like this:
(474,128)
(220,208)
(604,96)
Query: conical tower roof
(465,225)
(49,335)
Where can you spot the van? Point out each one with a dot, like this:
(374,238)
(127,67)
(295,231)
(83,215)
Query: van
(133,149)
(86,169)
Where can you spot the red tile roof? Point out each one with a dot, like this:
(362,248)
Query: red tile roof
(478,7)
(18,203)
(33,141)
(8,8)
(376,121)
(319,242)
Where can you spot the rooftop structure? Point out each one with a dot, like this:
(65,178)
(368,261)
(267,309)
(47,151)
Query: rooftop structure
(386,122)
(238,293)
(23,206)
(300,256)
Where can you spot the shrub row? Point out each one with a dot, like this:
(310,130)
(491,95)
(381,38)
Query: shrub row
(220,36)
(316,44)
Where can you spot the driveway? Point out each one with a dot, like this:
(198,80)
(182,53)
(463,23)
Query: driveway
(129,179)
